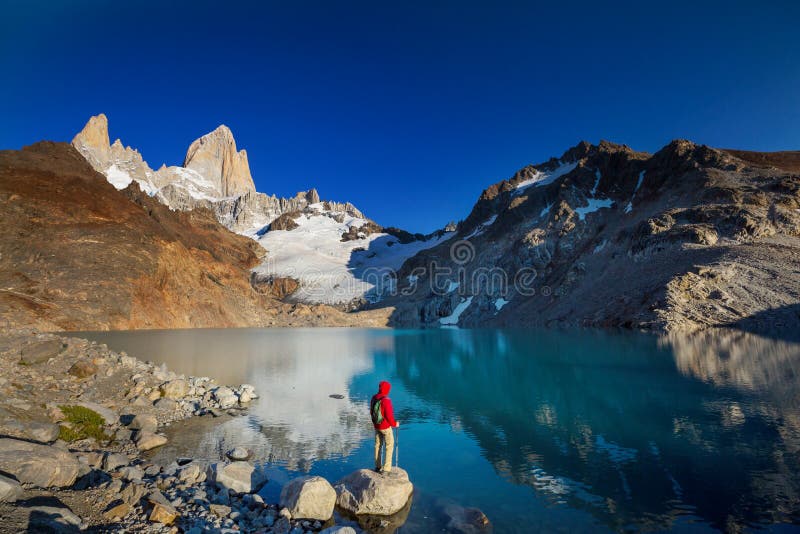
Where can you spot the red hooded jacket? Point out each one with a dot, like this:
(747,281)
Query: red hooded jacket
(386,406)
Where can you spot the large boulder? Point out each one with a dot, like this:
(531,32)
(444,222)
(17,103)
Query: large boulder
(466,520)
(52,519)
(174,389)
(148,440)
(367,492)
(240,477)
(225,397)
(144,421)
(40,465)
(21,425)
(41,351)
(309,498)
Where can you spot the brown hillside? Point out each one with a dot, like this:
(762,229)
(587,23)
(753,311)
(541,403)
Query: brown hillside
(75,253)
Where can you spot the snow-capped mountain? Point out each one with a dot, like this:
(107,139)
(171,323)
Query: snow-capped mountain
(337,257)
(331,249)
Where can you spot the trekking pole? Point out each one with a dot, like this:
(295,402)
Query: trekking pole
(397,447)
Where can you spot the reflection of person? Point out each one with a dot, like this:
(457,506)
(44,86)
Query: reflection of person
(382,413)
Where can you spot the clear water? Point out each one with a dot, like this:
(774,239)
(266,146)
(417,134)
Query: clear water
(545,431)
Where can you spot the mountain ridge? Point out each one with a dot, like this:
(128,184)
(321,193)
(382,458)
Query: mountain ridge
(685,238)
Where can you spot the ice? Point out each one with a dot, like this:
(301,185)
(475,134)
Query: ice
(452,319)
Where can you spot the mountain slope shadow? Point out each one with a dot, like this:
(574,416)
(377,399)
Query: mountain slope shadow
(781,323)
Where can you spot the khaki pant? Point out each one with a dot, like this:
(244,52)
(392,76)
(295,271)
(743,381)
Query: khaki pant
(384,438)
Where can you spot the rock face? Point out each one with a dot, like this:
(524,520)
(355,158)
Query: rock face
(367,492)
(309,498)
(39,465)
(214,157)
(686,238)
(214,175)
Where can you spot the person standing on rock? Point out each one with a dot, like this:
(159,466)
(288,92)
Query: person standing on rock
(382,413)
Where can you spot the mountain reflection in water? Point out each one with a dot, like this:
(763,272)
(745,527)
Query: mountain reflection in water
(612,430)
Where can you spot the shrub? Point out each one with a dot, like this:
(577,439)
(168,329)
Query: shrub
(84,424)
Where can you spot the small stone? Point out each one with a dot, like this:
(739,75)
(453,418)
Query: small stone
(83,369)
(117,512)
(285,513)
(338,530)
(189,473)
(115,460)
(166,404)
(152,470)
(123,434)
(238,454)
(132,473)
(163,513)
(220,510)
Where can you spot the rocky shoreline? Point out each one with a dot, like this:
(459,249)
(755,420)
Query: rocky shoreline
(77,418)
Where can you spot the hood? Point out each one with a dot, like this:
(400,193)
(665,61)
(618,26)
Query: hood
(384,387)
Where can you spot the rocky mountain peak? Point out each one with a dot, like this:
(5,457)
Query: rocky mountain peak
(95,134)
(215,157)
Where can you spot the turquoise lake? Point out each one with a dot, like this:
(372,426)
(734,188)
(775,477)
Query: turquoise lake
(544,431)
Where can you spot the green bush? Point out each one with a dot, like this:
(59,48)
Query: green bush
(85,423)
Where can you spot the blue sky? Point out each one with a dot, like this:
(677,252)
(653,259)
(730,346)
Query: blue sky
(407,109)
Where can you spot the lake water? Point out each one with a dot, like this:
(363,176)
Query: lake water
(565,431)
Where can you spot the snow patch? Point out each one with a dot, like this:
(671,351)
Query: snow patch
(629,207)
(452,319)
(594,205)
(600,246)
(499,303)
(545,210)
(596,181)
(543,178)
(481,228)
(117,177)
(451,286)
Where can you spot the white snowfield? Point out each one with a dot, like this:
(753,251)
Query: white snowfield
(332,271)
